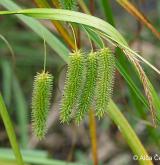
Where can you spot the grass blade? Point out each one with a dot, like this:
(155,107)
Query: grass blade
(128,133)
(36,160)
(71,16)
(10,131)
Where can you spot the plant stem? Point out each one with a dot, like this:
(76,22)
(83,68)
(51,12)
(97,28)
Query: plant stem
(92,121)
(92,128)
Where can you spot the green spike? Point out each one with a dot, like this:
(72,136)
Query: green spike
(105,78)
(74,80)
(87,94)
(41,102)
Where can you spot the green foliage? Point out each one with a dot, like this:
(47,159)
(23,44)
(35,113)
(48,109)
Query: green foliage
(68,4)
(106,67)
(74,80)
(34,157)
(10,131)
(88,89)
(41,102)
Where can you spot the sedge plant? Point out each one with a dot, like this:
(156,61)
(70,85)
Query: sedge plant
(99,75)
(41,96)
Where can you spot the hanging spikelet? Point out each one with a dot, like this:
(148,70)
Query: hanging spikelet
(41,102)
(88,89)
(74,80)
(68,4)
(105,77)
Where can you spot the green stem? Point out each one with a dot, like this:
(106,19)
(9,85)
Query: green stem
(10,131)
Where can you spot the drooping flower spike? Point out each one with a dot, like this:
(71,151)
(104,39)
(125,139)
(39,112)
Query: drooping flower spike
(41,102)
(73,84)
(86,97)
(105,78)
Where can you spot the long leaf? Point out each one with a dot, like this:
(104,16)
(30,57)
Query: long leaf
(128,133)
(71,16)
(10,131)
(37,160)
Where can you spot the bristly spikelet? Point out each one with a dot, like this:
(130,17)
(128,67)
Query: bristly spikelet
(68,4)
(105,78)
(40,102)
(88,89)
(74,80)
